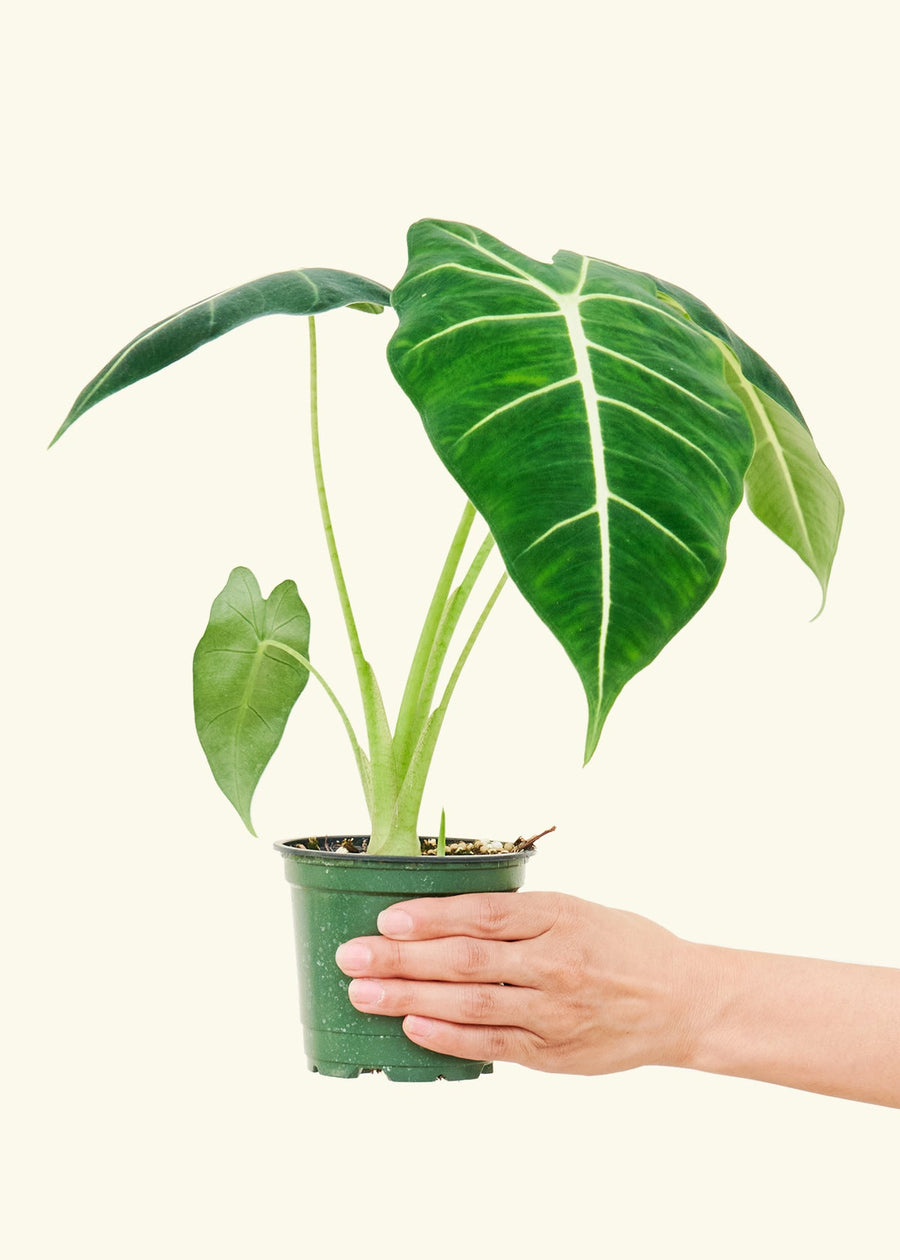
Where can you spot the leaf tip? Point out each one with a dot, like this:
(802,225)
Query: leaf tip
(823,584)
(595,726)
(244,811)
(70,418)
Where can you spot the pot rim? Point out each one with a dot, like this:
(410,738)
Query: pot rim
(289,848)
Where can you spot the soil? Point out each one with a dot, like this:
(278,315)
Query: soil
(457,848)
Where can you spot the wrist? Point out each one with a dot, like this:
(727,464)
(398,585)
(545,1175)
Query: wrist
(704,994)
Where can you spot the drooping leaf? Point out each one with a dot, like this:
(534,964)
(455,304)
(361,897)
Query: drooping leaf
(789,488)
(308,292)
(592,425)
(246,682)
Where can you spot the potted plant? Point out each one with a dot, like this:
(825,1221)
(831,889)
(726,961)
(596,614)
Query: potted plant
(605,426)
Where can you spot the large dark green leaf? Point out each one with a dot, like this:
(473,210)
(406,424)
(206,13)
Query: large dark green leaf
(593,426)
(308,292)
(246,681)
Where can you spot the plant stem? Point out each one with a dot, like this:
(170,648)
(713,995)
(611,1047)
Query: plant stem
(409,797)
(407,731)
(442,638)
(382,794)
(469,644)
(324,511)
(394,772)
(362,760)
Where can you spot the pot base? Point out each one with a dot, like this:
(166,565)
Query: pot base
(462,1070)
(347,1051)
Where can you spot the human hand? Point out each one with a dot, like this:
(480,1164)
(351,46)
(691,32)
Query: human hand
(542,979)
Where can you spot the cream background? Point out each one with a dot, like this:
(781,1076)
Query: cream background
(743,793)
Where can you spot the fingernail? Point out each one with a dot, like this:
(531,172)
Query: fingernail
(395,923)
(365,992)
(416,1026)
(353,957)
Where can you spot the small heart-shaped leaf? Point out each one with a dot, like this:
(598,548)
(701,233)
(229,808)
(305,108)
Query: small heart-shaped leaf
(247,679)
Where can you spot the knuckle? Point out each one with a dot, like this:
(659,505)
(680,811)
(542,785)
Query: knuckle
(498,1044)
(565,912)
(393,957)
(478,1004)
(470,957)
(513,1045)
(397,999)
(492,916)
(535,1050)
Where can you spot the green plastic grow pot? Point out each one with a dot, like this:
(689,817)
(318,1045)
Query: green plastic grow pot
(337,896)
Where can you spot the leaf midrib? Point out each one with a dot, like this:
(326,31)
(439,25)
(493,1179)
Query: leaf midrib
(570,305)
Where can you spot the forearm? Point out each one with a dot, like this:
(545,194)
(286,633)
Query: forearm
(832,1028)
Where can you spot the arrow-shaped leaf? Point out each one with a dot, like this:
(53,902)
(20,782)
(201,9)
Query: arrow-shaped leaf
(247,679)
(308,292)
(591,424)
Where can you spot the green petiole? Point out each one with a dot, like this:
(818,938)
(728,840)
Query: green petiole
(394,771)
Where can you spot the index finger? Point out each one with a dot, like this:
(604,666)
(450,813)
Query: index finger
(506,916)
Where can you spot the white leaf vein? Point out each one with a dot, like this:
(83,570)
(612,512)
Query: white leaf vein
(484,319)
(633,507)
(660,376)
(515,402)
(630,301)
(569,305)
(645,415)
(570,520)
(482,249)
(473,271)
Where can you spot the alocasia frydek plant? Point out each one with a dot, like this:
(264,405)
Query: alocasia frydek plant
(603,423)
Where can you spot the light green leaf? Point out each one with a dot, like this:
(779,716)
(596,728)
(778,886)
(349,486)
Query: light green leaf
(789,488)
(308,292)
(247,679)
(591,424)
